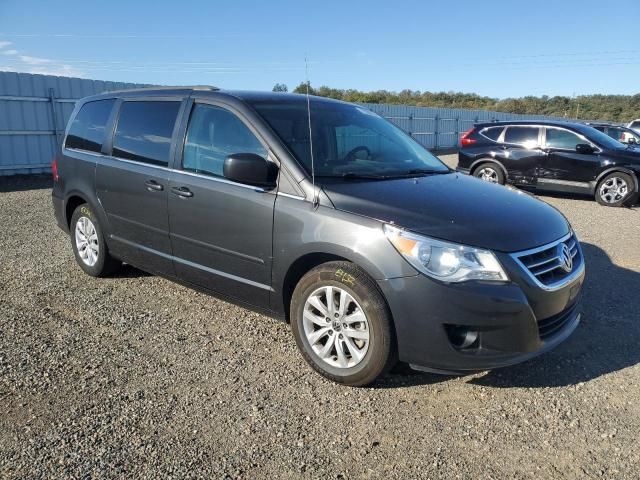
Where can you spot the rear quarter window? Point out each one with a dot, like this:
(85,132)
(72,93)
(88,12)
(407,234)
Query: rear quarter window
(492,133)
(87,131)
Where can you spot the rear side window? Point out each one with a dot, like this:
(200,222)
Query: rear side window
(87,131)
(144,131)
(492,133)
(525,136)
(636,124)
(213,134)
(557,138)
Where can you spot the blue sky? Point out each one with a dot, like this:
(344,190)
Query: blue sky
(495,48)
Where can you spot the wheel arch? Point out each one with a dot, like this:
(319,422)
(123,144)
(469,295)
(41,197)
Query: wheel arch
(480,161)
(608,171)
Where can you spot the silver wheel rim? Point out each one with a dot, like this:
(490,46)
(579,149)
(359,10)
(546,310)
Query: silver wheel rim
(336,327)
(87,241)
(613,190)
(488,175)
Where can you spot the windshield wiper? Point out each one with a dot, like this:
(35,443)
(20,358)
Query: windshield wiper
(356,176)
(419,171)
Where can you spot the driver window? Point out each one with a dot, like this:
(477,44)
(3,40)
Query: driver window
(213,134)
(564,139)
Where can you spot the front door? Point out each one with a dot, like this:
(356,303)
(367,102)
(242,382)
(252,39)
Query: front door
(132,183)
(221,231)
(564,168)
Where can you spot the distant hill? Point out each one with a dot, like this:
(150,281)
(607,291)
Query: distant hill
(615,108)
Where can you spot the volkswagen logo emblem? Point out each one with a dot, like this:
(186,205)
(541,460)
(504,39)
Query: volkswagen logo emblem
(566,261)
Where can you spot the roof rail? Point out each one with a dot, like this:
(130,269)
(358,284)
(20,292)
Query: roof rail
(161,88)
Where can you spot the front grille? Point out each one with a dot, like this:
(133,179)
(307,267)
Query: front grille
(551,325)
(548,265)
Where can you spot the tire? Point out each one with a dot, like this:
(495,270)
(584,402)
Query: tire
(615,190)
(489,172)
(94,260)
(366,315)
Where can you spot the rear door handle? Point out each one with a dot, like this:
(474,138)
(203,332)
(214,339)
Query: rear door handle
(152,185)
(182,191)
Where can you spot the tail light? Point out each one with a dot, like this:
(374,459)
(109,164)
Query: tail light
(54,170)
(465,141)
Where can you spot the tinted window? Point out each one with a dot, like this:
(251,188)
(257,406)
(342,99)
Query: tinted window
(562,139)
(635,125)
(213,134)
(526,136)
(88,128)
(144,131)
(492,132)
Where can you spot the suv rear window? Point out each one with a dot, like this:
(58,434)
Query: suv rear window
(144,131)
(492,133)
(88,128)
(527,136)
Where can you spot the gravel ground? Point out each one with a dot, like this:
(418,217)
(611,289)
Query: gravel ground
(137,377)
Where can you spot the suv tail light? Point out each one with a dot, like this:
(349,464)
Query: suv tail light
(465,140)
(54,169)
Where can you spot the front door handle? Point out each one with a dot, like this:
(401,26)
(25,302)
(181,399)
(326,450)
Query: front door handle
(152,185)
(182,191)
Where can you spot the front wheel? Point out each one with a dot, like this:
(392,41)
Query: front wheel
(342,324)
(88,243)
(615,190)
(489,172)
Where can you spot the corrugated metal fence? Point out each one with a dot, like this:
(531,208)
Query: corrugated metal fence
(441,128)
(34,110)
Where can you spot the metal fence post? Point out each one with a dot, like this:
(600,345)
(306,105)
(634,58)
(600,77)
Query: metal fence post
(54,116)
(436,140)
(457,129)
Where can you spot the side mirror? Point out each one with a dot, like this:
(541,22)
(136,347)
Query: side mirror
(585,148)
(250,169)
(632,141)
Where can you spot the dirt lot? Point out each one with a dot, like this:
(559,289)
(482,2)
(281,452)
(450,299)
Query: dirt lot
(136,377)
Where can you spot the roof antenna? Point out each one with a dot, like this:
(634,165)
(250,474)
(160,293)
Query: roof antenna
(315,200)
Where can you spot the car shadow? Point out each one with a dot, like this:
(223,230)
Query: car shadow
(606,340)
(20,183)
(129,271)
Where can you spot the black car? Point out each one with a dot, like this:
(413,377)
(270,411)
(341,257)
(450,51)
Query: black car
(617,132)
(555,156)
(325,215)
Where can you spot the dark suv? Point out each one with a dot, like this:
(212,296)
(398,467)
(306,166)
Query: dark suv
(325,215)
(554,156)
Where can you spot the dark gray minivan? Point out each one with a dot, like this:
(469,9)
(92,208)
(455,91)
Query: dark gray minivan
(325,215)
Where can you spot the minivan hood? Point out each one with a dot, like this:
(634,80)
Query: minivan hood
(454,207)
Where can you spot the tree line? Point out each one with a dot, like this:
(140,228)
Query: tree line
(614,108)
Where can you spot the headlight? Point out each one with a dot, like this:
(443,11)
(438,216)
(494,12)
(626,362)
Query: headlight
(446,261)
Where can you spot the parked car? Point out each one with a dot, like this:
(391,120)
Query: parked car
(622,134)
(554,156)
(366,243)
(634,125)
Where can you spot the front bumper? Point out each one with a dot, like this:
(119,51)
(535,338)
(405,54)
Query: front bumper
(514,321)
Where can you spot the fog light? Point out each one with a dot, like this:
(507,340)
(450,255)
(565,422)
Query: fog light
(462,337)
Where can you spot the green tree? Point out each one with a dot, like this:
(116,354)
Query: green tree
(280,87)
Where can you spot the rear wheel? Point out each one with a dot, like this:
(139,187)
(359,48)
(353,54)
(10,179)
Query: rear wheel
(342,324)
(88,243)
(615,190)
(489,172)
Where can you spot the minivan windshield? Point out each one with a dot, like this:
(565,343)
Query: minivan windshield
(349,141)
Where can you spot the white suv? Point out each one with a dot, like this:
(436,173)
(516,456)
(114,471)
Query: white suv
(634,125)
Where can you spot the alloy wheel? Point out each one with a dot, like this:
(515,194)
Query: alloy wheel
(336,327)
(613,190)
(87,241)
(488,174)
